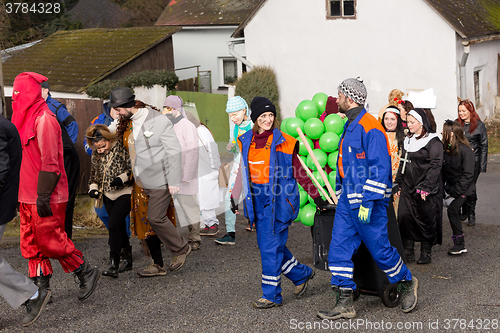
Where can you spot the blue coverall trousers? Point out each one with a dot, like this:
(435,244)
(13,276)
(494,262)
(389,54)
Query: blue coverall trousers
(347,234)
(275,256)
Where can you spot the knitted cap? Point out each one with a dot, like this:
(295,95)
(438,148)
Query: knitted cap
(236,103)
(354,89)
(260,105)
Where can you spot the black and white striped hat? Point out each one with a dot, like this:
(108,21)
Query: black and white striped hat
(354,89)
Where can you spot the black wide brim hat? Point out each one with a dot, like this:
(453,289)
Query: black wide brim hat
(121,97)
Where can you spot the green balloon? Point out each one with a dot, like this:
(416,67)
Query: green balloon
(306,109)
(320,180)
(307,214)
(320,156)
(302,147)
(331,178)
(292,124)
(303,198)
(329,142)
(311,200)
(313,128)
(345,120)
(332,160)
(334,123)
(304,159)
(283,125)
(320,100)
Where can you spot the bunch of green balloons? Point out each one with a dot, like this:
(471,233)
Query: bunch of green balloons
(328,134)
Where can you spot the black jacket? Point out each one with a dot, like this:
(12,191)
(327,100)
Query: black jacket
(10,165)
(478,141)
(458,172)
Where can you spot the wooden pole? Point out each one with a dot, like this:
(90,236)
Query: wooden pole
(318,185)
(318,166)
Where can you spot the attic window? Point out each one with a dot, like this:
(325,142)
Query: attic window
(341,9)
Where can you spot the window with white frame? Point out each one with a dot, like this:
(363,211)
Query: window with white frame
(341,9)
(477,95)
(229,70)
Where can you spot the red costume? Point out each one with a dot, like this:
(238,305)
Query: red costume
(42,210)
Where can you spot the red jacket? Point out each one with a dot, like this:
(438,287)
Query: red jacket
(40,138)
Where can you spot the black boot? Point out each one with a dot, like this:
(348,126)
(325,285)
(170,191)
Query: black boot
(88,277)
(114,263)
(471,203)
(458,245)
(126,263)
(34,306)
(425,253)
(343,307)
(409,246)
(43,282)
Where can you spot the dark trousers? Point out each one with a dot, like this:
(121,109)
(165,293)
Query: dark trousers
(454,216)
(118,210)
(154,246)
(72,168)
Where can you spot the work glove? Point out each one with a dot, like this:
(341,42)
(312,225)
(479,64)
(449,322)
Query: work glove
(364,214)
(117,182)
(94,194)
(320,203)
(47,182)
(234,206)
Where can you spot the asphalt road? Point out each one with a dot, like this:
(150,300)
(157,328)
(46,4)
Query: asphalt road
(214,290)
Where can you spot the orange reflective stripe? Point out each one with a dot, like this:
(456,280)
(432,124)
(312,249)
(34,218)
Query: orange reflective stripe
(258,162)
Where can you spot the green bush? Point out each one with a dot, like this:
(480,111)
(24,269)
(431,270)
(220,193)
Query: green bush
(260,81)
(140,79)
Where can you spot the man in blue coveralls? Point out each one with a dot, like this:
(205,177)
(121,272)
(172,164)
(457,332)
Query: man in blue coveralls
(363,186)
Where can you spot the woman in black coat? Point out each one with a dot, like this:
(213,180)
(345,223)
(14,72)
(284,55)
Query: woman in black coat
(475,133)
(458,174)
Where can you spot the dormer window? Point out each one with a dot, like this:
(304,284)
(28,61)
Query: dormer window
(341,9)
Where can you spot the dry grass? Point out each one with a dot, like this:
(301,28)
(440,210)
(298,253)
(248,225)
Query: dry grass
(85,221)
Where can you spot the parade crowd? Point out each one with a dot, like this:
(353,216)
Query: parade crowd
(143,159)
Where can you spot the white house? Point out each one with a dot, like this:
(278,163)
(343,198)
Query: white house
(203,41)
(452,46)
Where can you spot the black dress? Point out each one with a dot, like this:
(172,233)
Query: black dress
(421,220)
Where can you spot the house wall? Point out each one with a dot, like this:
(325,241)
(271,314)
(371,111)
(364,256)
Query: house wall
(204,46)
(483,57)
(388,45)
(159,57)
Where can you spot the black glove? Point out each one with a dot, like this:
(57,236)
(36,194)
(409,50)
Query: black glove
(320,203)
(117,182)
(94,194)
(234,207)
(2,184)
(47,182)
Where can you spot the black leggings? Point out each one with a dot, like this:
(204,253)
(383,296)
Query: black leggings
(118,210)
(154,245)
(454,216)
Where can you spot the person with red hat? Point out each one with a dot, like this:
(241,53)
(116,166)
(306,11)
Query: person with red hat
(44,192)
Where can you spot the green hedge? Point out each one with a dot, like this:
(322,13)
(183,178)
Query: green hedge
(260,81)
(146,79)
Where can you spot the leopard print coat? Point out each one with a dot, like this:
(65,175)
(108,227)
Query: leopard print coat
(105,168)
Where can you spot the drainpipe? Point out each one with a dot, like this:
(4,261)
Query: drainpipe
(231,44)
(463,81)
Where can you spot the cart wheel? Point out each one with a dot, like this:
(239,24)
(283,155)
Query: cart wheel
(357,292)
(390,295)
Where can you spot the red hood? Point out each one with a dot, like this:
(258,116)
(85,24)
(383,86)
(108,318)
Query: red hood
(27,103)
